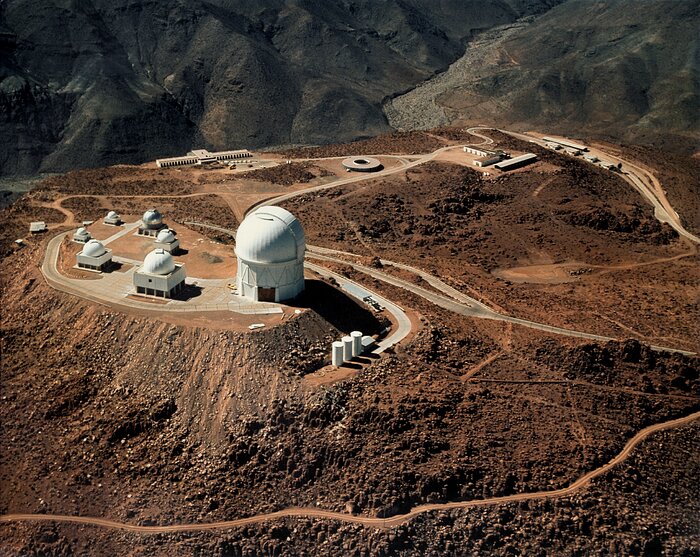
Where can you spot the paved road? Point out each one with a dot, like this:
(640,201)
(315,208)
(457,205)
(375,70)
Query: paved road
(391,522)
(356,290)
(359,177)
(641,179)
(459,303)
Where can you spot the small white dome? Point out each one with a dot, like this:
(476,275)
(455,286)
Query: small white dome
(158,262)
(152,218)
(93,248)
(270,235)
(112,215)
(81,232)
(165,236)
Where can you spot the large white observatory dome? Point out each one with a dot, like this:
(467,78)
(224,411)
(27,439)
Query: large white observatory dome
(158,262)
(152,218)
(270,247)
(93,248)
(270,235)
(165,236)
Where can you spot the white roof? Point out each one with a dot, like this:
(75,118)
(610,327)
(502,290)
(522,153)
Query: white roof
(81,232)
(158,262)
(165,236)
(93,248)
(270,235)
(112,215)
(152,216)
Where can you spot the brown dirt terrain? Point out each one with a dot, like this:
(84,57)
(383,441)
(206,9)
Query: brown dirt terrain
(397,143)
(679,175)
(153,419)
(451,222)
(127,437)
(118,180)
(288,174)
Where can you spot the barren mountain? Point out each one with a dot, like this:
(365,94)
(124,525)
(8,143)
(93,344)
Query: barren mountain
(609,69)
(98,82)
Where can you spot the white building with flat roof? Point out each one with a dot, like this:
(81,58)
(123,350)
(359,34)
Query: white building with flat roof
(270,247)
(159,275)
(202,156)
(167,240)
(94,257)
(81,235)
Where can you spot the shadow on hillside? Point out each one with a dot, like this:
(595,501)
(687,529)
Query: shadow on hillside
(344,312)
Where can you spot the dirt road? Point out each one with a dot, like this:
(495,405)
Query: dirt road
(391,522)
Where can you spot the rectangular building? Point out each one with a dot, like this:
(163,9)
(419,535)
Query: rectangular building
(488,161)
(517,162)
(202,156)
(566,143)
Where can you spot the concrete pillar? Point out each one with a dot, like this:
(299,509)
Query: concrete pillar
(356,343)
(347,348)
(337,353)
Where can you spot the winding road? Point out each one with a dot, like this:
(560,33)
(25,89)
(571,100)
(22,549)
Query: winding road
(448,298)
(391,522)
(462,304)
(641,179)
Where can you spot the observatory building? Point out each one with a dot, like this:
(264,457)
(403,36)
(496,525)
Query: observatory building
(94,256)
(113,218)
(270,248)
(81,235)
(166,240)
(159,275)
(152,223)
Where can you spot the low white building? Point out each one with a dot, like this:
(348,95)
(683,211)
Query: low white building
(113,219)
(159,275)
(81,235)
(94,256)
(166,240)
(202,156)
(488,161)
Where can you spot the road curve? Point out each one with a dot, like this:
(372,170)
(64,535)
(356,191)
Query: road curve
(403,322)
(457,302)
(422,159)
(641,179)
(391,522)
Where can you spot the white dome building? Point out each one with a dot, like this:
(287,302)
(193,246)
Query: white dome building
(166,240)
(270,248)
(81,235)
(94,257)
(152,223)
(113,218)
(159,275)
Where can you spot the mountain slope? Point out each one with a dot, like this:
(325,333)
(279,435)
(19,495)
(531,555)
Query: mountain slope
(600,68)
(95,82)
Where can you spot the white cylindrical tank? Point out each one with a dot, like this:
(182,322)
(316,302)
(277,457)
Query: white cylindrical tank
(347,348)
(356,343)
(337,353)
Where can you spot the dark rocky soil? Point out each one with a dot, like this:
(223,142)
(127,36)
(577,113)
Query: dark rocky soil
(288,174)
(451,221)
(150,421)
(153,423)
(396,143)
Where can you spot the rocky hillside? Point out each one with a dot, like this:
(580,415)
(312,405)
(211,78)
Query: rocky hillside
(607,69)
(97,82)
